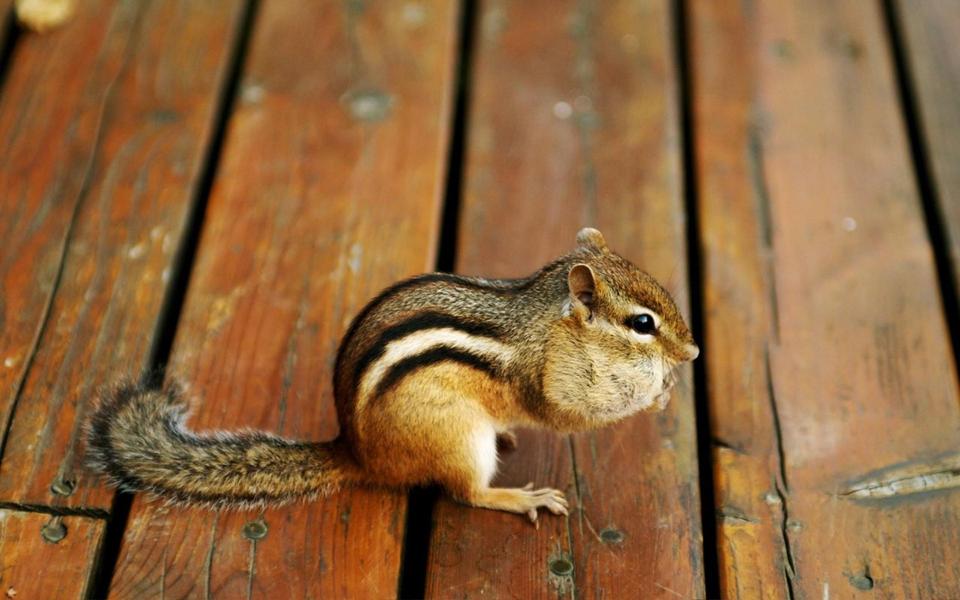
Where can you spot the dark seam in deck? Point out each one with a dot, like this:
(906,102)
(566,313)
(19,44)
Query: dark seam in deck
(453,186)
(703,428)
(172,305)
(422,502)
(9,34)
(104,117)
(61,511)
(948,273)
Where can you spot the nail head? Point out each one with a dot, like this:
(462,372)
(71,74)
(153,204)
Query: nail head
(63,487)
(53,531)
(611,535)
(255,530)
(561,567)
(862,582)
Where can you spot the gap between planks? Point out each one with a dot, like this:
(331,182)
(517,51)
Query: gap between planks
(705,458)
(422,502)
(930,199)
(169,315)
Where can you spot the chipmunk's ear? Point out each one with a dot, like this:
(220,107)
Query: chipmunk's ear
(588,236)
(582,283)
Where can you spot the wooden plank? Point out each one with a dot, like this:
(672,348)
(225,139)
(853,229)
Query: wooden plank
(104,124)
(575,121)
(329,189)
(34,563)
(930,28)
(834,413)
(739,314)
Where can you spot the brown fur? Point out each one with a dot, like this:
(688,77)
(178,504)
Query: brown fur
(429,380)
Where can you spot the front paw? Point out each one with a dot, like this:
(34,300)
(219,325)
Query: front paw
(549,498)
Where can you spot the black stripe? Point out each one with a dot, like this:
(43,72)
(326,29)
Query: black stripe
(507,286)
(425,320)
(430,357)
(497,286)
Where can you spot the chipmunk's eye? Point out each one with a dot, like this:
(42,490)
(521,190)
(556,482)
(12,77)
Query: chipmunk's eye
(642,323)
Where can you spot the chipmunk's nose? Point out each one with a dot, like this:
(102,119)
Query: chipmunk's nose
(692,350)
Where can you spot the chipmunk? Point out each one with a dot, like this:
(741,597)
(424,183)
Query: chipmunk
(431,374)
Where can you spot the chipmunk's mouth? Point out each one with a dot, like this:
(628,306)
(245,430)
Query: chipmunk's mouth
(661,400)
(670,379)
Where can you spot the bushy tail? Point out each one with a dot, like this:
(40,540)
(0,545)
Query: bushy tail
(138,440)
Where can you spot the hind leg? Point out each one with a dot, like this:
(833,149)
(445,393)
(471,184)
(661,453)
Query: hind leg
(469,476)
(470,467)
(432,429)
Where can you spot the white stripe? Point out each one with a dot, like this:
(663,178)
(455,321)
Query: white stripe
(419,342)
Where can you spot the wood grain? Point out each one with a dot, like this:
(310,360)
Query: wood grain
(930,28)
(33,567)
(103,127)
(329,189)
(574,121)
(833,398)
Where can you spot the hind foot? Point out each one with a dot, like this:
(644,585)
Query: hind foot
(525,501)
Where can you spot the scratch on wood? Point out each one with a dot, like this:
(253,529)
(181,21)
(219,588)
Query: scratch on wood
(780,486)
(585,519)
(761,197)
(916,478)
(666,589)
(252,568)
(208,563)
(586,118)
(731,513)
(724,444)
(789,568)
(777,430)
(163,573)
(576,482)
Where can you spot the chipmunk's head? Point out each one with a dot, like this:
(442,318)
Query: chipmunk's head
(619,339)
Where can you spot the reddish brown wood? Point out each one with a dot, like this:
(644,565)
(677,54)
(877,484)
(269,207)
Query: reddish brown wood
(33,567)
(329,189)
(575,122)
(834,400)
(931,28)
(737,264)
(103,127)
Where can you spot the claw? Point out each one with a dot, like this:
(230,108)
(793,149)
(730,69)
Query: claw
(528,487)
(532,515)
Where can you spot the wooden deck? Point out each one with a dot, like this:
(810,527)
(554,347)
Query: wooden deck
(212,190)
